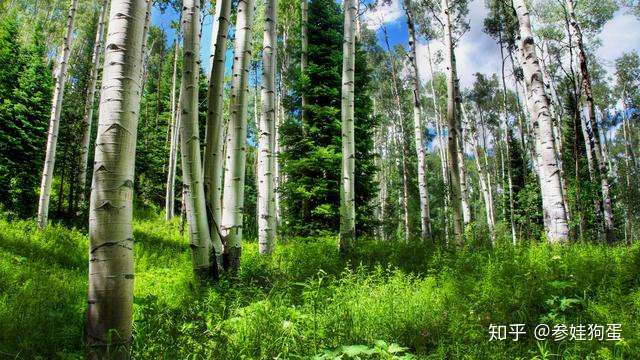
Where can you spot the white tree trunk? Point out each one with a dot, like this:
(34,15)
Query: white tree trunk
(87,120)
(110,295)
(425,218)
(507,144)
(54,120)
(453,121)
(441,145)
(464,183)
(192,177)
(304,45)
(399,139)
(483,176)
(173,145)
(266,132)
(557,229)
(213,154)
(233,197)
(594,135)
(347,193)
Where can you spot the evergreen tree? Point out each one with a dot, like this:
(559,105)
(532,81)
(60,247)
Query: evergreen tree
(312,158)
(25,88)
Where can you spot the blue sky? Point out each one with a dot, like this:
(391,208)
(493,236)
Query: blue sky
(476,52)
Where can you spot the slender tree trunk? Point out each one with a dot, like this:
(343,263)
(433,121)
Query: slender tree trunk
(594,140)
(557,229)
(233,197)
(425,219)
(347,193)
(192,176)
(266,132)
(399,139)
(88,108)
(629,172)
(213,154)
(507,144)
(110,295)
(173,146)
(304,43)
(441,145)
(464,183)
(484,177)
(54,120)
(453,121)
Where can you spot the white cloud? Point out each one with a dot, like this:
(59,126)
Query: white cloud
(476,51)
(384,14)
(618,36)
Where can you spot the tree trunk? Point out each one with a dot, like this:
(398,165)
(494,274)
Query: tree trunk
(213,153)
(484,177)
(425,219)
(557,229)
(453,121)
(594,139)
(54,120)
(347,193)
(399,139)
(111,267)
(192,177)
(441,146)
(266,132)
(464,184)
(87,120)
(507,144)
(304,44)
(233,197)
(173,146)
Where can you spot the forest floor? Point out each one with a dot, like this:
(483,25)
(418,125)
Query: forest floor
(386,301)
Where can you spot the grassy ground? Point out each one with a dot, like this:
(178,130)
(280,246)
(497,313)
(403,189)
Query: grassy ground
(407,301)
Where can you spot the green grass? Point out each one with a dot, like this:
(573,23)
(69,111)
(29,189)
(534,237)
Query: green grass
(387,300)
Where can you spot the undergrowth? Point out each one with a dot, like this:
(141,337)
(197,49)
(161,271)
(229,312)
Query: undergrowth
(384,301)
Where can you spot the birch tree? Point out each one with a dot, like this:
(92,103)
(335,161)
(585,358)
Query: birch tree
(233,197)
(453,121)
(398,136)
(266,132)
(87,120)
(54,120)
(213,154)
(591,122)
(304,45)
(192,177)
(174,127)
(347,190)
(556,226)
(425,219)
(110,295)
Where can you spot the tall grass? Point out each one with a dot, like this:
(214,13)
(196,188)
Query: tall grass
(393,299)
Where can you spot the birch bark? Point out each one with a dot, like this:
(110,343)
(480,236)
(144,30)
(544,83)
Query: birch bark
(453,120)
(87,119)
(266,132)
(54,120)
(213,154)
(173,145)
(192,177)
(110,294)
(236,152)
(347,193)
(425,219)
(557,229)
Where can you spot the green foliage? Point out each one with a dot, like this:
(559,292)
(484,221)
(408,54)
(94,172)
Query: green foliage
(386,301)
(312,155)
(25,102)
